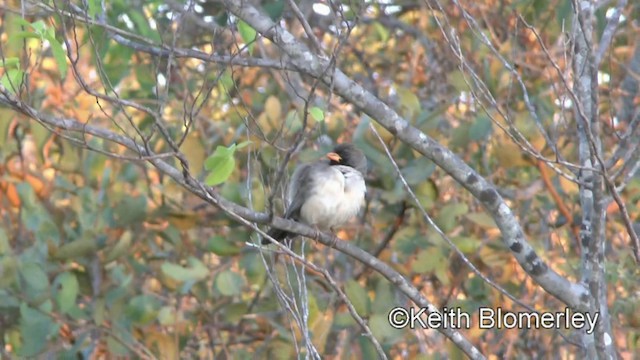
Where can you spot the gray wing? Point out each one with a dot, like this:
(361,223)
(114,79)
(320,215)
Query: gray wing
(300,186)
(298,191)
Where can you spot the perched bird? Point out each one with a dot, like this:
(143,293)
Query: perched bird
(326,193)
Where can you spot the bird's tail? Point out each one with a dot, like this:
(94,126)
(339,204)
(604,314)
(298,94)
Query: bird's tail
(277,235)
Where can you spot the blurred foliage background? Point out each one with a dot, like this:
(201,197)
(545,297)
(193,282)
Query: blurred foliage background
(105,256)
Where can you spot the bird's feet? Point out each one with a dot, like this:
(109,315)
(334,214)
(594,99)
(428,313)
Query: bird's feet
(335,237)
(317,235)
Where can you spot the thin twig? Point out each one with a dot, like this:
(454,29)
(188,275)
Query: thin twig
(451,244)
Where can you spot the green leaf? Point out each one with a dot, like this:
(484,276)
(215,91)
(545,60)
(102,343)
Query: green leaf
(460,136)
(8,271)
(147,82)
(5,247)
(194,271)
(76,249)
(234,313)
(25,35)
(39,27)
(457,80)
(48,232)
(99,310)
(67,292)
(172,235)
(35,328)
(116,348)
(220,152)
(274,9)
(244,144)
(477,288)
(59,54)
(142,23)
(221,169)
(418,170)
(34,277)
(143,309)
(316,113)
(131,210)
(358,297)
(221,246)
(220,164)
(12,80)
(94,7)
(116,63)
(122,247)
(563,12)
(229,283)
(10,62)
(429,260)
(23,22)
(447,219)
(381,328)
(481,128)
(8,300)
(382,31)
(384,298)
(167,315)
(226,82)
(248,34)
(467,245)
(368,351)
(343,320)
(292,121)
(253,268)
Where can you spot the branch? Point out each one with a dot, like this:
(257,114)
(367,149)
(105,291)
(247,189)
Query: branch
(609,31)
(562,207)
(592,199)
(146,45)
(444,236)
(575,295)
(239,213)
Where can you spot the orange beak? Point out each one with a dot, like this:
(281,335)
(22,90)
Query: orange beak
(333,156)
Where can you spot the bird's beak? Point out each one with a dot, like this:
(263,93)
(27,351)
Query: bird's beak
(333,156)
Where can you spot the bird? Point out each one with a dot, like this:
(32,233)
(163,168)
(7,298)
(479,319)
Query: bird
(326,193)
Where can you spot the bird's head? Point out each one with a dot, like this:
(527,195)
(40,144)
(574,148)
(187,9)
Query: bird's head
(348,155)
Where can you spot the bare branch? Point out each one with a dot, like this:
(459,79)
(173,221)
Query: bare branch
(243,215)
(609,31)
(514,238)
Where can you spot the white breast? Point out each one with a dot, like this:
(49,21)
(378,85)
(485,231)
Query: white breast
(338,195)
(354,191)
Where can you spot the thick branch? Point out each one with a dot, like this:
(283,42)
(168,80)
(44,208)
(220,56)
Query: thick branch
(575,295)
(241,214)
(592,234)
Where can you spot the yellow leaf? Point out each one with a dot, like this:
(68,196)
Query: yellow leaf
(258,195)
(165,344)
(493,258)
(568,186)
(264,123)
(409,101)
(527,127)
(184,220)
(482,219)
(320,329)
(75,249)
(320,322)
(122,247)
(194,150)
(273,109)
(509,155)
